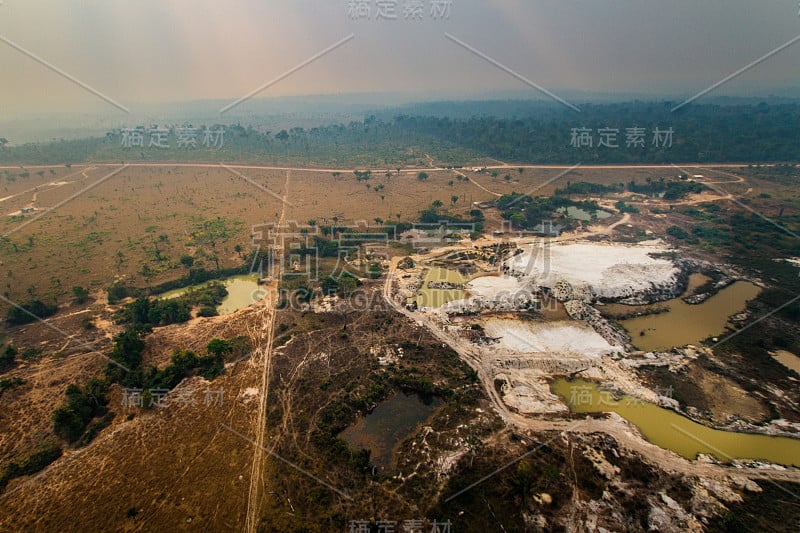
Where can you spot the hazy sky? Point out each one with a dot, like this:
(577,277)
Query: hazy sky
(173,50)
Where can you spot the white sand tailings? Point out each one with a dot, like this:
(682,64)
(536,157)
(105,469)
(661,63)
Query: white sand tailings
(606,270)
(548,338)
(491,287)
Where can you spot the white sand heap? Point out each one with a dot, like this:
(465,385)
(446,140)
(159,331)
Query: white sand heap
(606,270)
(550,339)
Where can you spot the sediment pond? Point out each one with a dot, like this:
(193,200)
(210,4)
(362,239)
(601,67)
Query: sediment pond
(684,323)
(670,430)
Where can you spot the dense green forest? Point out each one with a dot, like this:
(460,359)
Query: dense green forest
(516,133)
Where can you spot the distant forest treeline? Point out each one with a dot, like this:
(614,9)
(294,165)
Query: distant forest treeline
(538,134)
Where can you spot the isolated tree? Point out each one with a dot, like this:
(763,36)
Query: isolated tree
(3,142)
(347,286)
(219,347)
(81,294)
(437,204)
(7,357)
(422,176)
(120,259)
(454,199)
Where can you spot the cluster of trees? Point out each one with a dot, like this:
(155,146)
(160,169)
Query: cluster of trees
(72,421)
(85,412)
(527,212)
(126,356)
(185,363)
(585,187)
(148,312)
(119,290)
(127,369)
(29,312)
(671,189)
(622,207)
(434,214)
(37,461)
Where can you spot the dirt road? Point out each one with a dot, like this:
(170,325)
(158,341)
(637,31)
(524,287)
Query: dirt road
(710,166)
(263,335)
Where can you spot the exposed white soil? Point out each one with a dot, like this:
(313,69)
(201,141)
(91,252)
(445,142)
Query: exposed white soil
(550,338)
(605,270)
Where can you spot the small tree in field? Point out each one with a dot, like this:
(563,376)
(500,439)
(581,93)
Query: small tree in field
(81,294)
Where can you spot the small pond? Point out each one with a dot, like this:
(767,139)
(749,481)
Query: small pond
(388,425)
